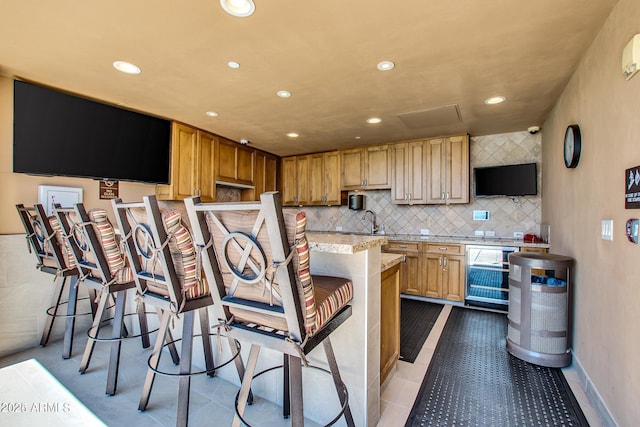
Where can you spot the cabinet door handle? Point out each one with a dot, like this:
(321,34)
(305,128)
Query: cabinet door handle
(440,261)
(406,196)
(443,196)
(445,262)
(442,248)
(410,198)
(404,258)
(403,246)
(446,197)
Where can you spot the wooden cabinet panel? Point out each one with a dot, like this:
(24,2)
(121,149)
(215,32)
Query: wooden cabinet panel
(409,178)
(244,165)
(331,178)
(444,271)
(366,168)
(206,178)
(457,181)
(433,276)
(411,270)
(377,167)
(265,170)
(226,163)
(352,168)
(453,278)
(289,188)
(389,320)
(192,155)
(316,181)
(448,170)
(303,167)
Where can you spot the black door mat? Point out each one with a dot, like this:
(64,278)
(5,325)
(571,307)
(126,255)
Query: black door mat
(416,320)
(473,381)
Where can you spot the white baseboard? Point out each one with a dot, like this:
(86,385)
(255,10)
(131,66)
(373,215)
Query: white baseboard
(592,394)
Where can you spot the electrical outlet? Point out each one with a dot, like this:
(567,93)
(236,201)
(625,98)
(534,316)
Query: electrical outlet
(606,229)
(479,233)
(424,231)
(518,235)
(338,228)
(490,233)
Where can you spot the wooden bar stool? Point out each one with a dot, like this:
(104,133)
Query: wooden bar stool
(257,259)
(91,238)
(163,263)
(44,237)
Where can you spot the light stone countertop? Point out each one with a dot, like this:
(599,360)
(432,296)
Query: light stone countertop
(389,260)
(464,240)
(343,243)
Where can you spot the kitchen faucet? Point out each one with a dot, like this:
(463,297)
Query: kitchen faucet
(374,227)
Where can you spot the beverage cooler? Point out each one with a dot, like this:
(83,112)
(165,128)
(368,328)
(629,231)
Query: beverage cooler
(488,276)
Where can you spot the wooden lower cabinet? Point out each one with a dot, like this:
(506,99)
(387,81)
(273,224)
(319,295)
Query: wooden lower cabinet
(444,273)
(411,272)
(389,320)
(431,270)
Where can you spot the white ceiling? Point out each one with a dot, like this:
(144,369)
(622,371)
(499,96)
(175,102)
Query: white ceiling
(447,53)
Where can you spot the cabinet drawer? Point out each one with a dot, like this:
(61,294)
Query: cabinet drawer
(402,247)
(445,249)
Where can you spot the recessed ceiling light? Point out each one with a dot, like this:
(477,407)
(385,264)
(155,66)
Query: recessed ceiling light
(386,65)
(292,135)
(211,114)
(283,93)
(494,100)
(374,120)
(126,67)
(240,8)
(233,64)
(357,137)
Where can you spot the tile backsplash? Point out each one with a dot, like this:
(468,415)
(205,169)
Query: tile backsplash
(506,215)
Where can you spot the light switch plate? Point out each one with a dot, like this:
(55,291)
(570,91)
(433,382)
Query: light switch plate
(479,233)
(338,228)
(606,229)
(490,233)
(424,231)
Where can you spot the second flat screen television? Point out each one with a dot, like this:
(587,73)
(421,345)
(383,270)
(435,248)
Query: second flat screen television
(509,180)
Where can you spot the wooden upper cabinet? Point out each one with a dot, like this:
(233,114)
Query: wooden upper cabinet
(265,173)
(192,154)
(234,163)
(289,186)
(311,180)
(331,178)
(296,187)
(448,170)
(206,154)
(366,168)
(409,177)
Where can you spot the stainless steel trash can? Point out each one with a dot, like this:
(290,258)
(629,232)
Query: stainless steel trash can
(539,329)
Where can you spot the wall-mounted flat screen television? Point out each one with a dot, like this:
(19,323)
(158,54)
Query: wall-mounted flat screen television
(55,133)
(509,180)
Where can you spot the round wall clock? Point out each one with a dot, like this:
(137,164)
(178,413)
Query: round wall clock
(572,146)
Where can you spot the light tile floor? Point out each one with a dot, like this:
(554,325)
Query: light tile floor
(212,398)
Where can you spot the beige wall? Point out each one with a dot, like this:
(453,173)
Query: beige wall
(607,274)
(21,188)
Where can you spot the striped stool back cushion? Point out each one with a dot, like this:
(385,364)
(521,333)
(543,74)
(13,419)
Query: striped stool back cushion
(107,239)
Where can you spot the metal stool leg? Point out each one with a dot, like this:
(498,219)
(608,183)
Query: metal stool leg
(95,328)
(116,345)
(245,388)
(297,407)
(337,380)
(70,325)
(155,358)
(206,341)
(286,398)
(55,302)
(144,327)
(184,383)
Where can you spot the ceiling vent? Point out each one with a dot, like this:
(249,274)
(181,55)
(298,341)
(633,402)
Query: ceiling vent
(439,116)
